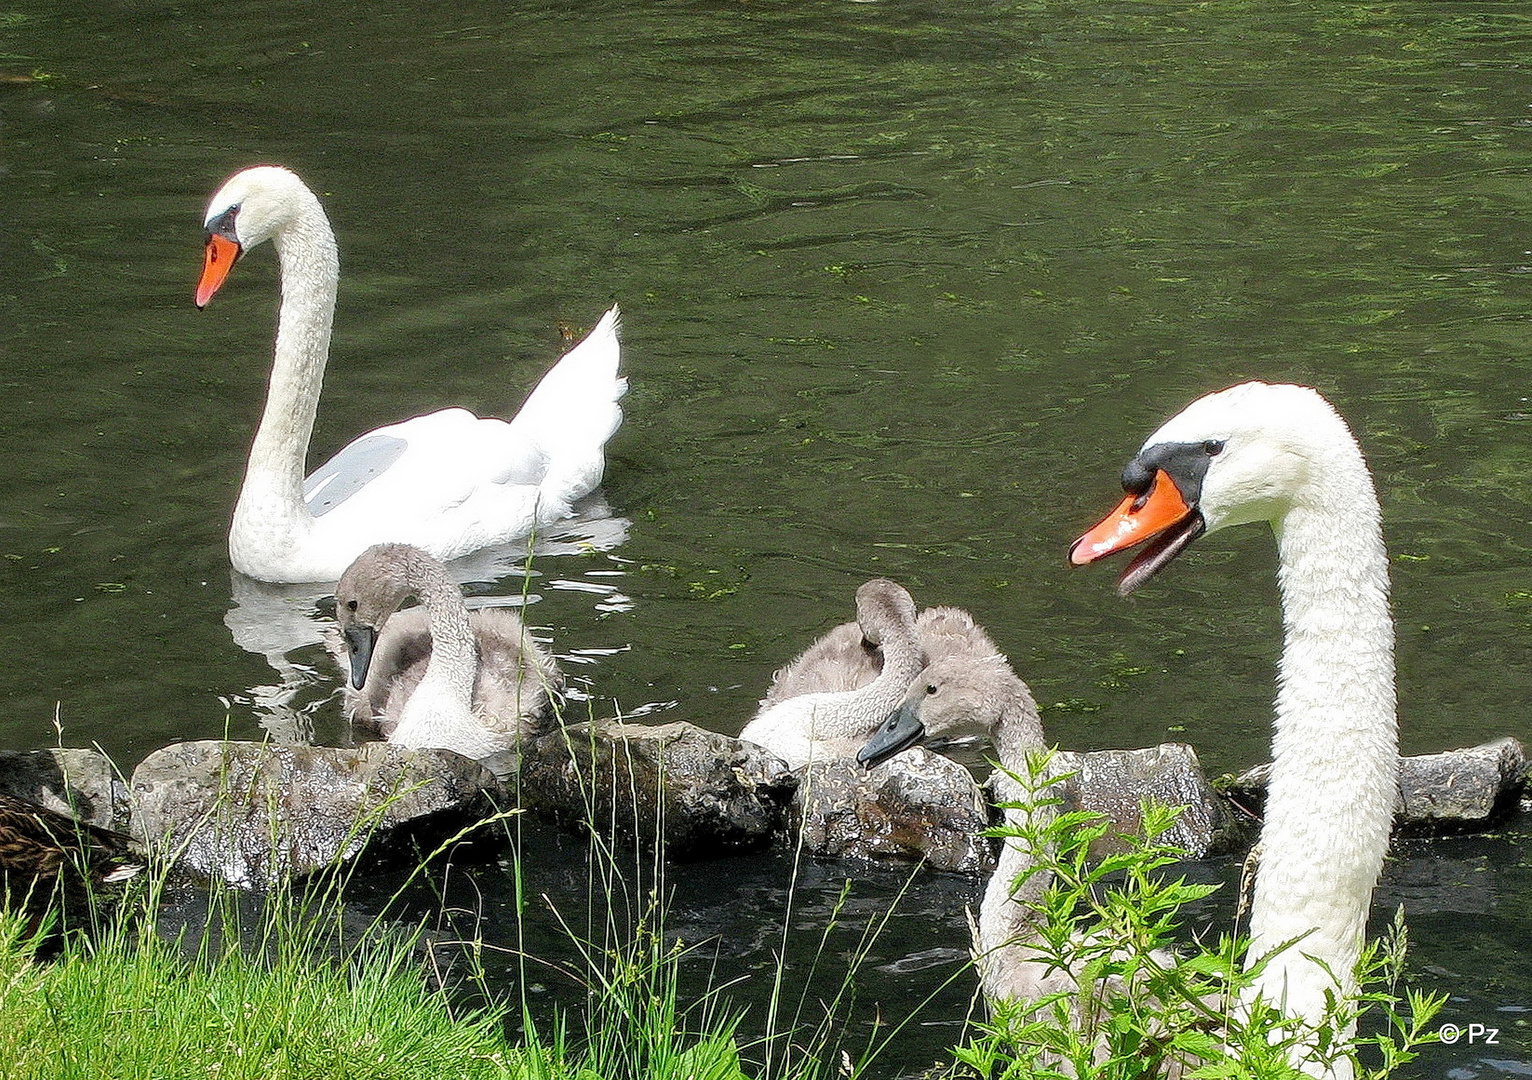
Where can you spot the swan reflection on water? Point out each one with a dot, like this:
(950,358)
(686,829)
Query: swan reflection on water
(284,624)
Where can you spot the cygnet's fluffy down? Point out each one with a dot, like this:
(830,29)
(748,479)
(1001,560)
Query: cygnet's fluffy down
(959,696)
(834,719)
(436,675)
(848,657)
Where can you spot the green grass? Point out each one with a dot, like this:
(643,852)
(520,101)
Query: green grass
(288,985)
(136,1006)
(292,985)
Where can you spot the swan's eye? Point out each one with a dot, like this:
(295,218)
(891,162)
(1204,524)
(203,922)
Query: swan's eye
(930,688)
(1213,447)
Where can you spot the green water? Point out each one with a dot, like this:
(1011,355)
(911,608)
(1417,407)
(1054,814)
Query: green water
(905,285)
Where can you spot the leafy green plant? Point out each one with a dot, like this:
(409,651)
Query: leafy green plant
(1151,1004)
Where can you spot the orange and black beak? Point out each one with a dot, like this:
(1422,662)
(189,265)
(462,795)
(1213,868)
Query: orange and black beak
(1157,509)
(217,261)
(220,253)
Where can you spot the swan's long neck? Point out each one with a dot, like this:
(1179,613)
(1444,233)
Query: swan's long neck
(271,501)
(1331,799)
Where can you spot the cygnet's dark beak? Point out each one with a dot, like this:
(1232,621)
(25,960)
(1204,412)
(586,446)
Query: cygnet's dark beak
(359,642)
(901,730)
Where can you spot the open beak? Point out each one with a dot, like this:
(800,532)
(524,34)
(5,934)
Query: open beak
(1161,516)
(217,260)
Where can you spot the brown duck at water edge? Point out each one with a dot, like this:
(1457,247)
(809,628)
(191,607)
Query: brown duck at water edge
(47,856)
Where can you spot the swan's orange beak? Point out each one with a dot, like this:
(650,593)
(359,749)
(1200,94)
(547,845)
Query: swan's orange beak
(217,260)
(1136,519)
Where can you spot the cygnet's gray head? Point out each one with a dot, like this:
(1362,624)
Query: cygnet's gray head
(373,587)
(953,698)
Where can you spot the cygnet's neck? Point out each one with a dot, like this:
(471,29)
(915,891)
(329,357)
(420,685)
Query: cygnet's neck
(1333,785)
(272,496)
(833,724)
(454,661)
(852,714)
(439,710)
(1006,917)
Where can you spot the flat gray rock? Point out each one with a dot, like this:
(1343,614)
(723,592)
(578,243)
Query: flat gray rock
(706,794)
(1456,790)
(921,805)
(917,805)
(1461,787)
(1115,783)
(255,813)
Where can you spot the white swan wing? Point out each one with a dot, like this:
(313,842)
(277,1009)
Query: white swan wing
(350,471)
(418,468)
(569,416)
(434,481)
(582,388)
(452,482)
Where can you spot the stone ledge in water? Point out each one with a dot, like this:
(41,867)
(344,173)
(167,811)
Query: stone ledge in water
(917,805)
(1454,791)
(81,783)
(1469,787)
(254,813)
(1114,783)
(709,794)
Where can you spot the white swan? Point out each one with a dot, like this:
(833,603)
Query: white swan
(954,697)
(448,482)
(835,721)
(1281,454)
(435,675)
